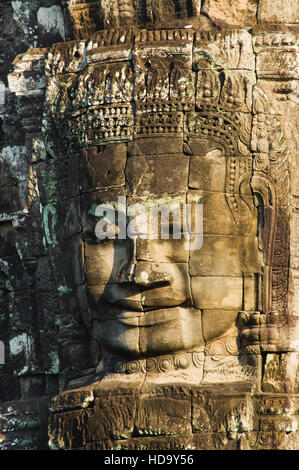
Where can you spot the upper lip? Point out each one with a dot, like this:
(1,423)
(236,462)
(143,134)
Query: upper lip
(132,311)
(160,315)
(126,303)
(141,302)
(133,305)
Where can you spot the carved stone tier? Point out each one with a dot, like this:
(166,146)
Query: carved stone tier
(120,415)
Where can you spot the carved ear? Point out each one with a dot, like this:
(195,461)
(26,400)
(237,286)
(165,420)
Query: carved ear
(265,201)
(245,190)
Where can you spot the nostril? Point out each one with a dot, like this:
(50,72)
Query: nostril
(154,279)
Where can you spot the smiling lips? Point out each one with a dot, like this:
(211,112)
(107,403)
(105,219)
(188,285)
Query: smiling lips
(138,310)
(149,318)
(134,305)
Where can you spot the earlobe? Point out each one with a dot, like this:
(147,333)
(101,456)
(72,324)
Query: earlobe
(265,201)
(245,191)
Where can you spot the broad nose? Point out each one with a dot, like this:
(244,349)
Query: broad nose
(144,273)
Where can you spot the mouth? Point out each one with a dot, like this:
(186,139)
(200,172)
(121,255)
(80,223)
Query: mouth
(150,317)
(143,304)
(136,308)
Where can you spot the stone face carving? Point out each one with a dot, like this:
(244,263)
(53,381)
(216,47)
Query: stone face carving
(135,117)
(162,123)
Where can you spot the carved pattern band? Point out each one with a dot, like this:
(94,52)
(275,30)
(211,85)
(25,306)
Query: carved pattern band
(159,364)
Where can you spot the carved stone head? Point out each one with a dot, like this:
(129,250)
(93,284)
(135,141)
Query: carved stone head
(170,123)
(163,288)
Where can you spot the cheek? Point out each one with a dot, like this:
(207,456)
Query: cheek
(163,251)
(181,280)
(99,263)
(168,295)
(96,293)
(104,261)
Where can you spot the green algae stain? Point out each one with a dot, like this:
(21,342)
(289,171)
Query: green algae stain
(54,368)
(64,289)
(50,220)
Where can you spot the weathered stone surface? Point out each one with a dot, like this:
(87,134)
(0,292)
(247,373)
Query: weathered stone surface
(277,429)
(106,169)
(157,443)
(224,417)
(224,49)
(234,416)
(227,292)
(149,174)
(280,373)
(283,100)
(159,146)
(227,368)
(158,416)
(203,262)
(272,440)
(273,63)
(23,425)
(10,201)
(223,222)
(106,263)
(233,13)
(163,251)
(206,173)
(276,12)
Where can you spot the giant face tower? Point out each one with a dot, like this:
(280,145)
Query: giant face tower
(160,109)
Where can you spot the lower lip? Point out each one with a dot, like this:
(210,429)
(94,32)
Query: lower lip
(153,317)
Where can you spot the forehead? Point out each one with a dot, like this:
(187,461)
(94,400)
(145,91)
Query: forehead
(149,170)
(153,168)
